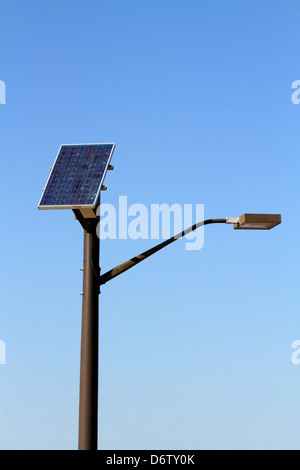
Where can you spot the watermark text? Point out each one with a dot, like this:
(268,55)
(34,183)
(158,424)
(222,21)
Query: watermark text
(2,352)
(296,94)
(137,221)
(2,92)
(295,358)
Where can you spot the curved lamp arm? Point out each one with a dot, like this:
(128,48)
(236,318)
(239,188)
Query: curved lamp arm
(137,259)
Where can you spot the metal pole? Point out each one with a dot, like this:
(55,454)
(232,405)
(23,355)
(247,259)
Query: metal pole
(88,397)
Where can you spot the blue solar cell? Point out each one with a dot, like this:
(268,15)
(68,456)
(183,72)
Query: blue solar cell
(76,176)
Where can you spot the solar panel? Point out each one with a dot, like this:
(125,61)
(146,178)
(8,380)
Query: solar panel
(76,176)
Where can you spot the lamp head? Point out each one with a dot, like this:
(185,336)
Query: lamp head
(258,221)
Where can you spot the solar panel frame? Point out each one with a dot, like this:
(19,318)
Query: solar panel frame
(77,206)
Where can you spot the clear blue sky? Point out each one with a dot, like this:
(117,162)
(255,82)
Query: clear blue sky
(195,349)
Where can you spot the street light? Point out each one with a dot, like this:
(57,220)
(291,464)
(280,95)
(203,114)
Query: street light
(75,182)
(89,345)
